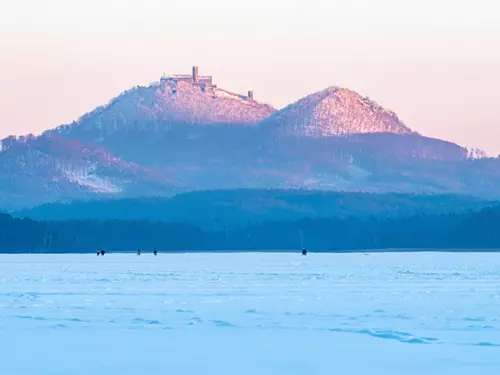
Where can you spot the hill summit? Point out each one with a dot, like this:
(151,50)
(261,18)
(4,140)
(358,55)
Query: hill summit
(180,99)
(336,111)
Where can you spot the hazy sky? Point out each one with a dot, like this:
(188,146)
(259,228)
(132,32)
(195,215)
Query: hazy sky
(436,63)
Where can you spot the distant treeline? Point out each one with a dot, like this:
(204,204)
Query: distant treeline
(235,209)
(478,230)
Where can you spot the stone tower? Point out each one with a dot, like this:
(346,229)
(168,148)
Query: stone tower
(195,74)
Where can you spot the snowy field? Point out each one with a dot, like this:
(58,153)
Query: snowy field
(419,313)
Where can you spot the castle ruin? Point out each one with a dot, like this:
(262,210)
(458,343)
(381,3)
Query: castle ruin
(205,83)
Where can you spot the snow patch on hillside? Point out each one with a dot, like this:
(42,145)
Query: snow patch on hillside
(92,182)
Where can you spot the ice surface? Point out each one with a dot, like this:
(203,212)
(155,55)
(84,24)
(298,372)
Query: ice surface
(414,313)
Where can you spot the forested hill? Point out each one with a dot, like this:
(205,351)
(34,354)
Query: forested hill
(237,208)
(441,231)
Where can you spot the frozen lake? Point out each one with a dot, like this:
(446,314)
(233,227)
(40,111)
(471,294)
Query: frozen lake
(253,313)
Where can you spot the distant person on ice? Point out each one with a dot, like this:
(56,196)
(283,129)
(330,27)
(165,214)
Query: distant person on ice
(98,252)
(139,252)
(103,252)
(304,251)
(155,252)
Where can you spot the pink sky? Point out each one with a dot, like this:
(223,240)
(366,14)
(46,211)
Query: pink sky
(436,63)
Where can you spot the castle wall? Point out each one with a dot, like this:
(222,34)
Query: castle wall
(206,80)
(205,83)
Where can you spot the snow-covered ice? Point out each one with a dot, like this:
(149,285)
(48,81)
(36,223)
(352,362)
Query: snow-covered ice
(253,313)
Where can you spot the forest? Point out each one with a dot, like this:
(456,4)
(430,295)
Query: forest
(471,230)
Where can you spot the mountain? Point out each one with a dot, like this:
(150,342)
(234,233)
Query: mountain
(185,133)
(335,111)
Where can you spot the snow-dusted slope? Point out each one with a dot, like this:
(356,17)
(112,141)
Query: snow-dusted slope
(48,168)
(336,111)
(154,109)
